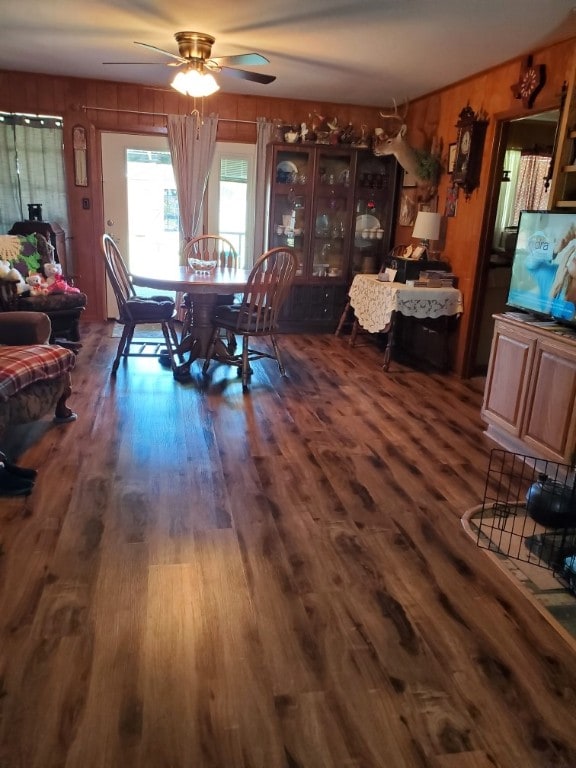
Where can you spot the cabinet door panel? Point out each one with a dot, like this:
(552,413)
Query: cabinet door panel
(507,380)
(550,412)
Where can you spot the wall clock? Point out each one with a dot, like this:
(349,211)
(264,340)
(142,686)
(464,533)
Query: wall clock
(530,82)
(469,148)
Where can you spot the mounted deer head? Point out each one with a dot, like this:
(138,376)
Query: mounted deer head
(423,166)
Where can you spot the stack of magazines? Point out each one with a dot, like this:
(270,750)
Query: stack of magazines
(434,278)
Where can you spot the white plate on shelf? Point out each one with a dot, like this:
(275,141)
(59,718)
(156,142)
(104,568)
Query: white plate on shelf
(286,166)
(366,221)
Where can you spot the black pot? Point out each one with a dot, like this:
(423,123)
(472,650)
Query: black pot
(551,503)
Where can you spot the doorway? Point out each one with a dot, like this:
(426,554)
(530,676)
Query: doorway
(522,135)
(140,204)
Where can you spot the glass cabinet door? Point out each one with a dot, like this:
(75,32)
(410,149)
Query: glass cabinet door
(290,204)
(332,214)
(376,182)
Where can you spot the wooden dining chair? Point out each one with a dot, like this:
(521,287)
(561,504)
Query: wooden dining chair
(257,315)
(209,248)
(135,310)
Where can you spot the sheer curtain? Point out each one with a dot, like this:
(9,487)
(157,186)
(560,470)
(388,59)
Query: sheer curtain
(32,169)
(530,191)
(192,140)
(264,134)
(505,211)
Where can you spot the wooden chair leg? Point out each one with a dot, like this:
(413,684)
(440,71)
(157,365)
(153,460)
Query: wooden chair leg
(245,364)
(123,345)
(343,318)
(355,329)
(277,353)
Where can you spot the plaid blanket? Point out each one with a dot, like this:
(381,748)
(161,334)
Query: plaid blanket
(21,366)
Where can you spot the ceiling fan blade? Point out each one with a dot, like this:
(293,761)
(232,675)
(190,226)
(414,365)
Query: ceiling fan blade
(243,74)
(143,63)
(161,50)
(241,59)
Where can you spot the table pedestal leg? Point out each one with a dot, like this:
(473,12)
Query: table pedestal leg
(195,342)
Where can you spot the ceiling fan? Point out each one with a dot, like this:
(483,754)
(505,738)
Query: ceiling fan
(194,56)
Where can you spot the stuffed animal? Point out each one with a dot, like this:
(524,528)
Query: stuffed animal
(37,284)
(11,275)
(55,282)
(4,269)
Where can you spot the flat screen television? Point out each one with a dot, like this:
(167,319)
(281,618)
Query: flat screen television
(543,279)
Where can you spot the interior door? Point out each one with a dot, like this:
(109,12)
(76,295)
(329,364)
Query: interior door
(139,200)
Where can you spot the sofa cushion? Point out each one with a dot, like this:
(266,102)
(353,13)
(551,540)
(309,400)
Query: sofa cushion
(21,366)
(52,302)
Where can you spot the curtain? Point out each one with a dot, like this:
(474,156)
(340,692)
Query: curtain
(505,211)
(264,134)
(32,169)
(192,141)
(530,192)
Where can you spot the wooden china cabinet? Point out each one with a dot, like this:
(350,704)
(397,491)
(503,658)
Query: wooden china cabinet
(336,206)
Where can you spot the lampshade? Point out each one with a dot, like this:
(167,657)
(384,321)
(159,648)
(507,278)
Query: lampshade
(193,83)
(427,226)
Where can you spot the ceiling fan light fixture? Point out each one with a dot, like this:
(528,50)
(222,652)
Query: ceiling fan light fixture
(193,83)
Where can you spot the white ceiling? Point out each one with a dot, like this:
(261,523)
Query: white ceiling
(345,51)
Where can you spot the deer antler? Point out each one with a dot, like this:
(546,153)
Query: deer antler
(396,115)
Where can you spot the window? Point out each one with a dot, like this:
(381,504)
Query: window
(32,168)
(231,197)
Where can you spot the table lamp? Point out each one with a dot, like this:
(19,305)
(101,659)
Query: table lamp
(426,228)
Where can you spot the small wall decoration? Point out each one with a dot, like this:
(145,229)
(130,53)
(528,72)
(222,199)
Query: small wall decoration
(451,201)
(80,148)
(451,157)
(408,208)
(530,82)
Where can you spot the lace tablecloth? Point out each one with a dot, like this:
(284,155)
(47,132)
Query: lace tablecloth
(374,302)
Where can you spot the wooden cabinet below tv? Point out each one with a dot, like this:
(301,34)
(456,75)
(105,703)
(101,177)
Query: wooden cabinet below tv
(530,395)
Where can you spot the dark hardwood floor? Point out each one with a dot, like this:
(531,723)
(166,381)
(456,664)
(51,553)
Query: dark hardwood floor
(203,579)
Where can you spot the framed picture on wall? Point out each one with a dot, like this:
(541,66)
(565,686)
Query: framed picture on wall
(451,157)
(451,201)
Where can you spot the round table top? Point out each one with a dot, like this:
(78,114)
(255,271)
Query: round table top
(180,278)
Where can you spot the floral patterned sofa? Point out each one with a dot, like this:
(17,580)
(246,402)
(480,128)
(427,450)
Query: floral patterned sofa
(34,376)
(29,254)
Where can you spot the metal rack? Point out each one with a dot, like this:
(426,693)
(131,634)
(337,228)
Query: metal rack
(504,524)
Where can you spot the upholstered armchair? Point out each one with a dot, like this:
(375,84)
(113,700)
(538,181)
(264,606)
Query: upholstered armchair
(62,303)
(34,376)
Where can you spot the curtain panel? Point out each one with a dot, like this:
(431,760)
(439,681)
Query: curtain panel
(32,169)
(192,141)
(264,134)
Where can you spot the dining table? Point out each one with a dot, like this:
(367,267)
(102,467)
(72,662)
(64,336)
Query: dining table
(203,289)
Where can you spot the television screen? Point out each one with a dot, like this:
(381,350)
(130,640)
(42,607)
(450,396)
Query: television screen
(544,266)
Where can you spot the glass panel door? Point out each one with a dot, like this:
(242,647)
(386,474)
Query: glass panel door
(290,209)
(332,214)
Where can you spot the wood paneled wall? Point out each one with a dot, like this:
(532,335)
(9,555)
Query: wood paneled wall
(109,106)
(437,115)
